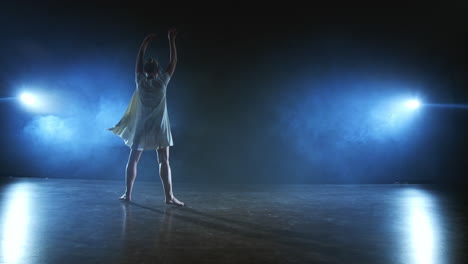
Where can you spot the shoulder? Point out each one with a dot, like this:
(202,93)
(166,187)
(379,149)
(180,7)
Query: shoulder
(165,77)
(139,76)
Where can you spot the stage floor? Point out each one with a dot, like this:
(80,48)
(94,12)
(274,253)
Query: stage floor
(82,221)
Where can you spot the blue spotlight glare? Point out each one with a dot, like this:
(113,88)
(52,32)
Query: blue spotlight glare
(28,99)
(38,101)
(412,104)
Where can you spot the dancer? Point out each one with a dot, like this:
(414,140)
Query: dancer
(145,124)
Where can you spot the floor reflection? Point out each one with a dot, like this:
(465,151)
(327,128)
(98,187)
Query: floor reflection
(41,222)
(15,223)
(422,227)
(158,234)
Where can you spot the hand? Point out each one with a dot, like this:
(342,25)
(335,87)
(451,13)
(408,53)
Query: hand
(172,33)
(150,37)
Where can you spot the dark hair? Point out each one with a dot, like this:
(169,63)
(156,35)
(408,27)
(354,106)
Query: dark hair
(150,65)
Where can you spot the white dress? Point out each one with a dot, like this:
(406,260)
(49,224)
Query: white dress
(145,124)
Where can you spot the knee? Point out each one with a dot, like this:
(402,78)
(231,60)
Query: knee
(134,158)
(163,156)
(132,164)
(163,161)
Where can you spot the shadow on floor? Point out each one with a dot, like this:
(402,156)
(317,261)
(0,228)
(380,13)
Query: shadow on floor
(296,240)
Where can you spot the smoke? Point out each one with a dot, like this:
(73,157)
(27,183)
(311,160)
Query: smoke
(72,138)
(351,128)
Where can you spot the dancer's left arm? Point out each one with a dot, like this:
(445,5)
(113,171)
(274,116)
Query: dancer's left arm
(172,33)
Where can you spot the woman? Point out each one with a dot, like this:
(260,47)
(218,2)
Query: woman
(145,124)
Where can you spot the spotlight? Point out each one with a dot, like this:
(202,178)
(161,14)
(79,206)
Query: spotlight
(28,99)
(412,104)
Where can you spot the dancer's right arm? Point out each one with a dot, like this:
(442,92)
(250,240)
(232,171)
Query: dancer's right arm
(141,52)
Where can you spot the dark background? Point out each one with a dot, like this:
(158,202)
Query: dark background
(271,94)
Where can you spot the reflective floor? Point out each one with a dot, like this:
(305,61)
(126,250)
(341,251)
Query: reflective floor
(78,221)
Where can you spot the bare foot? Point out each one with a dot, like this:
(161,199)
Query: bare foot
(174,201)
(125,198)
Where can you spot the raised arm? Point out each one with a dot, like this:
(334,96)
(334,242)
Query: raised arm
(173,51)
(141,52)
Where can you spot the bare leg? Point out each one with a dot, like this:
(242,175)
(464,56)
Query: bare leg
(130,174)
(165,174)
